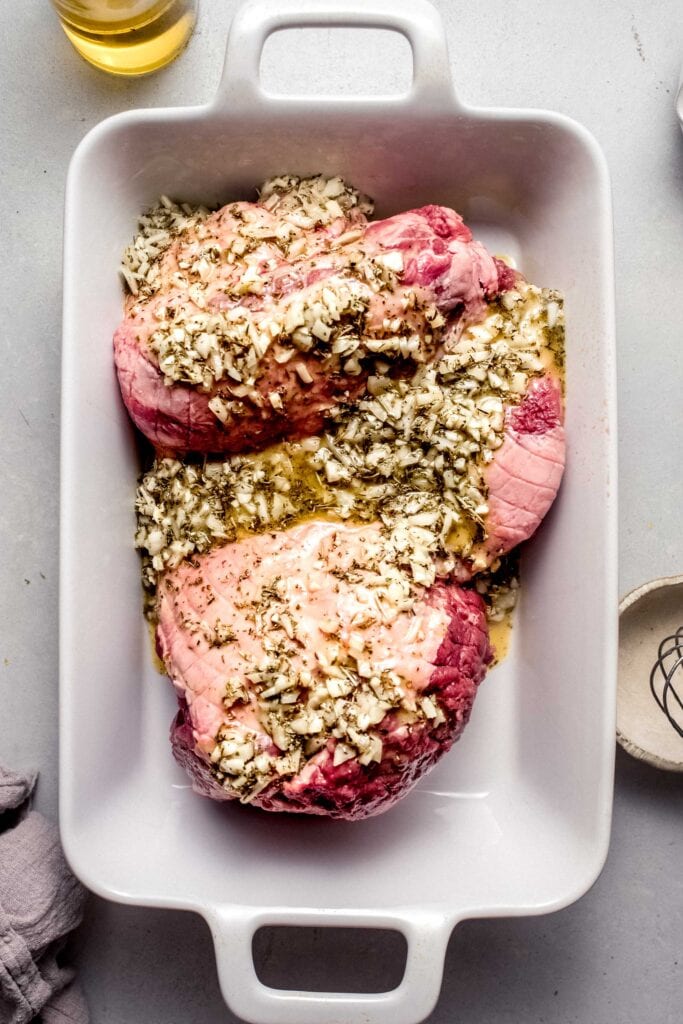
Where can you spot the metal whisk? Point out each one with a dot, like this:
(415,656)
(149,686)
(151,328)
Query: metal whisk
(666,675)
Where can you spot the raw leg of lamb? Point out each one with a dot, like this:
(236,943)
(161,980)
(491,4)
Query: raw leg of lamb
(313,675)
(258,320)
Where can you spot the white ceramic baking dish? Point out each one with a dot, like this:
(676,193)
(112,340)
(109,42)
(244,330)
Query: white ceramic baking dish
(516,819)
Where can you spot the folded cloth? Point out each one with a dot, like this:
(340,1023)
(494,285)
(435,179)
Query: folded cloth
(40,903)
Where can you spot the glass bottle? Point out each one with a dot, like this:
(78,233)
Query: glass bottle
(127,37)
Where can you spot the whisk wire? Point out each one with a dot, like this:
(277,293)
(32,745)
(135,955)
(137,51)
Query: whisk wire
(669,646)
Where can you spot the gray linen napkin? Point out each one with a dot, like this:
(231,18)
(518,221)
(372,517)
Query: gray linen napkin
(40,903)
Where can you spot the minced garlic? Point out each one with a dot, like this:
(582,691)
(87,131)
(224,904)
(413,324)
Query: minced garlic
(312,202)
(158,228)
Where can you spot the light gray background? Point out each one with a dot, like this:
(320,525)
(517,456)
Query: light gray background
(612,958)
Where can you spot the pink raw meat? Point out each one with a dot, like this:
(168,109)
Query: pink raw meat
(526,471)
(443,266)
(441,257)
(439,648)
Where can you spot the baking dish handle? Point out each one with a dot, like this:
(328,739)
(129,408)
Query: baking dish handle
(256,20)
(426,934)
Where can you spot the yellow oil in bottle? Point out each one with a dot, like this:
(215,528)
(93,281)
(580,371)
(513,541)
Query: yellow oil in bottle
(128,37)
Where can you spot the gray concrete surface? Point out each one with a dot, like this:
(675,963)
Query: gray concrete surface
(615,956)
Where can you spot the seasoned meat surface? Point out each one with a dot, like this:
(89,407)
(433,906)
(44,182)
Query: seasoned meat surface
(312,675)
(257,327)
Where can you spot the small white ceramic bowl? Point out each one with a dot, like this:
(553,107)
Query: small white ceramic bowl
(647,617)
